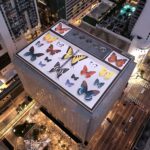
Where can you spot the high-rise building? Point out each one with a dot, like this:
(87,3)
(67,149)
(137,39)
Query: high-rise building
(136,14)
(142,26)
(74,76)
(67,9)
(17,17)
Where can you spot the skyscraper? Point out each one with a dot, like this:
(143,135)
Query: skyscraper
(17,17)
(67,9)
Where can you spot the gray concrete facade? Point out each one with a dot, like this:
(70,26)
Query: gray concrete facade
(80,121)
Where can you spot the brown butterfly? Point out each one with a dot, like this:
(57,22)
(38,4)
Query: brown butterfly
(52,51)
(119,62)
(60,29)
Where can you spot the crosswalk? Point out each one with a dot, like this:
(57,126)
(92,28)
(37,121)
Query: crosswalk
(135,101)
(146,85)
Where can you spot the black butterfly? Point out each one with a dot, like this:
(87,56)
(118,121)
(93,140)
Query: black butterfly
(58,69)
(74,77)
(32,54)
(47,59)
(41,64)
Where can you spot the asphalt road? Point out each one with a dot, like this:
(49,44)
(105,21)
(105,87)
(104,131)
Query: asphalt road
(119,132)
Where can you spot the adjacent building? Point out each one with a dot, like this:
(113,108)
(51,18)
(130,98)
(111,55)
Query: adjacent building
(67,9)
(17,17)
(74,76)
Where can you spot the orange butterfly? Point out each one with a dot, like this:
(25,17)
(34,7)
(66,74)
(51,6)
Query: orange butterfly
(87,73)
(118,62)
(60,29)
(52,51)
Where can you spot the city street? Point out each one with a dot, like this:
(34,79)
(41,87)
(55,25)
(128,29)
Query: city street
(122,125)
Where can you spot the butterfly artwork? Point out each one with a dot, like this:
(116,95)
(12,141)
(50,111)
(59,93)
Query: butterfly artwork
(105,73)
(39,44)
(49,38)
(32,54)
(113,59)
(52,51)
(98,83)
(59,44)
(93,64)
(58,69)
(71,55)
(87,73)
(68,83)
(74,77)
(60,29)
(47,59)
(41,64)
(88,94)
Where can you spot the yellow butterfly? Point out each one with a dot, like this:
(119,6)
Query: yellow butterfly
(70,54)
(49,38)
(106,73)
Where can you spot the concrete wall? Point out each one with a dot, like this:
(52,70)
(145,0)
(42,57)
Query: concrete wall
(62,107)
(77,119)
(142,26)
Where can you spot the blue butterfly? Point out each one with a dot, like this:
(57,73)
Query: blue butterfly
(60,44)
(58,69)
(32,54)
(68,83)
(41,64)
(88,94)
(98,83)
(39,44)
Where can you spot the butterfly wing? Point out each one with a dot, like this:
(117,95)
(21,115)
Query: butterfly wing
(74,77)
(77,58)
(69,53)
(83,88)
(47,59)
(98,83)
(86,73)
(89,74)
(49,38)
(41,44)
(108,75)
(56,67)
(84,70)
(31,51)
(68,83)
(50,48)
(41,64)
(120,62)
(89,94)
(60,29)
(61,71)
(103,71)
(37,43)
(112,58)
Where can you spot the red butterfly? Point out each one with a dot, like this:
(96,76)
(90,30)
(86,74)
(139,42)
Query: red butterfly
(85,72)
(60,29)
(52,50)
(118,62)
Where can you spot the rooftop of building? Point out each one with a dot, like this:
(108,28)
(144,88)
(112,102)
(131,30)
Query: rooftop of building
(79,64)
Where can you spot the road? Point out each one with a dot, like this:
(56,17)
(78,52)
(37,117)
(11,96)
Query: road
(121,126)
